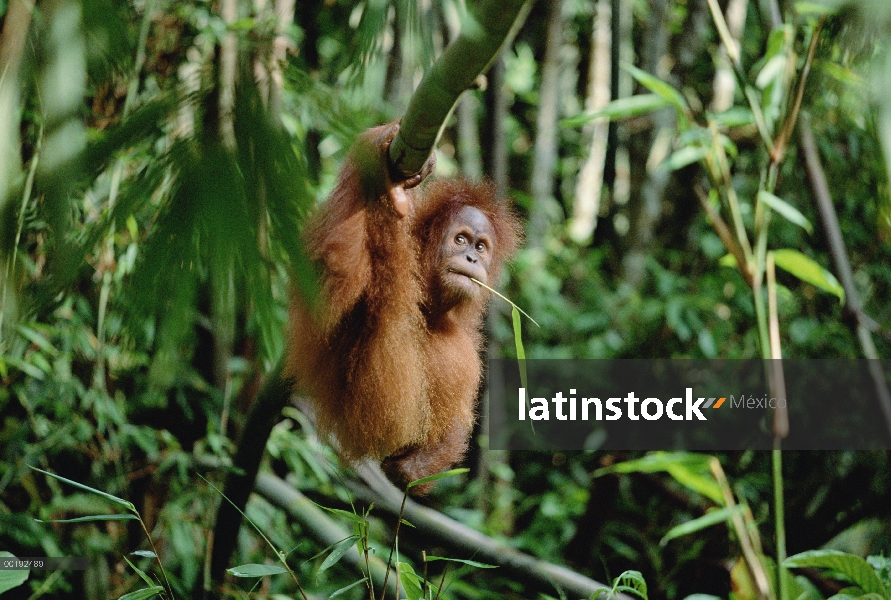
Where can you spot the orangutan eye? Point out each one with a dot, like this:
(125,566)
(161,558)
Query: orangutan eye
(460,239)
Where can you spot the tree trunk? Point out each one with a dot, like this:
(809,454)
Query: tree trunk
(646,206)
(545,148)
(590,180)
(494,140)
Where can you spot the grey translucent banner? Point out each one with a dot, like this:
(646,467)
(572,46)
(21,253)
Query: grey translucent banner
(44,563)
(697,405)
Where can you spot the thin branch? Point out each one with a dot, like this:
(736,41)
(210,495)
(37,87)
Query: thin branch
(732,49)
(483,33)
(782,142)
(839,254)
(777,376)
(723,231)
(750,557)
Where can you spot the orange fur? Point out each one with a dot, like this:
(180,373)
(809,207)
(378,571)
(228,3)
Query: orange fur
(391,374)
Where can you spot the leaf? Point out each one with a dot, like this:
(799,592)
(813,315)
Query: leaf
(707,520)
(144,553)
(786,210)
(728,260)
(737,116)
(349,587)
(631,582)
(683,157)
(689,469)
(141,573)
(518,343)
(91,518)
(143,594)
(410,581)
(352,538)
(857,595)
(853,567)
(506,299)
(657,86)
(114,499)
(443,475)
(470,563)
(806,269)
(38,339)
(11,579)
(254,570)
(816,9)
(623,108)
(343,513)
(336,554)
(26,368)
(772,71)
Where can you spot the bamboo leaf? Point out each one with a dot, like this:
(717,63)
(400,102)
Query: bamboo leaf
(684,157)
(337,554)
(141,573)
(443,475)
(143,594)
(348,588)
(411,583)
(694,525)
(806,269)
(254,570)
(114,499)
(470,563)
(623,108)
(786,210)
(659,87)
(90,518)
(690,470)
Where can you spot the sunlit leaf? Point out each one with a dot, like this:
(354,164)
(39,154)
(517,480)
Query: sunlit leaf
(695,525)
(438,476)
(623,108)
(786,210)
(683,157)
(659,87)
(737,116)
(689,469)
(254,570)
(807,270)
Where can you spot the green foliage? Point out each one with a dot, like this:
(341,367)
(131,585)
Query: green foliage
(629,582)
(847,567)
